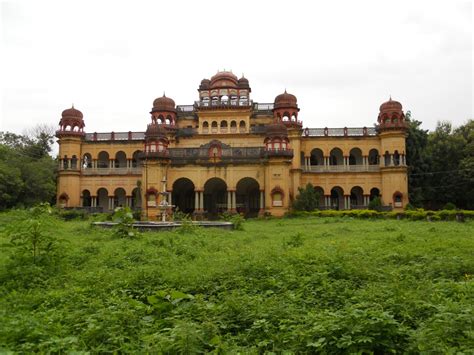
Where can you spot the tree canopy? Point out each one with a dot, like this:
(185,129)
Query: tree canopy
(27,171)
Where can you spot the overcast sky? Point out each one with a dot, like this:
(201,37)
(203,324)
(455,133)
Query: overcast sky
(341,59)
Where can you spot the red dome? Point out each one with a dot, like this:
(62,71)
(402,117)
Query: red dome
(72,113)
(164,104)
(155,131)
(224,79)
(285,100)
(391,105)
(276,130)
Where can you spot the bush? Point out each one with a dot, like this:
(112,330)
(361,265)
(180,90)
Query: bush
(449,206)
(69,215)
(124,218)
(375,203)
(307,199)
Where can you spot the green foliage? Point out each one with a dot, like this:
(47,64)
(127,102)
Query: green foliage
(375,203)
(449,206)
(441,165)
(123,216)
(338,285)
(27,171)
(307,199)
(68,215)
(235,218)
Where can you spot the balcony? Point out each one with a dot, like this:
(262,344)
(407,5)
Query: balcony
(112,171)
(279,152)
(340,132)
(340,168)
(223,104)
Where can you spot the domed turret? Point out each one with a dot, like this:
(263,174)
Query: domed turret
(164,104)
(156,141)
(71,122)
(243,83)
(205,84)
(224,79)
(286,109)
(391,116)
(164,111)
(286,100)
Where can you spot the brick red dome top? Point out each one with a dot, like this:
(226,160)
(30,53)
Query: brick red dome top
(72,113)
(286,100)
(155,131)
(164,104)
(224,79)
(391,106)
(276,130)
(243,83)
(205,83)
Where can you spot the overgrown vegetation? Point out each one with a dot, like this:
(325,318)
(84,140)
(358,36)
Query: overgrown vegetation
(27,171)
(441,165)
(300,285)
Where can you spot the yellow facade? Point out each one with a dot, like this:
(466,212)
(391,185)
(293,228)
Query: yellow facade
(227,153)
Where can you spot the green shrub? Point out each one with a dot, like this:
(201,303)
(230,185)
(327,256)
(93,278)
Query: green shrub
(307,199)
(375,203)
(69,215)
(123,216)
(449,206)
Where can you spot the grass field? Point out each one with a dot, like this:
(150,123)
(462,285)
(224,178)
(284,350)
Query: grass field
(303,285)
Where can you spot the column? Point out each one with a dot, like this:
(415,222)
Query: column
(111,203)
(196,201)
(366,200)
(93,201)
(346,161)
(365,160)
(262,202)
(170,197)
(229,201)
(347,202)
(327,201)
(234,206)
(201,200)
(391,159)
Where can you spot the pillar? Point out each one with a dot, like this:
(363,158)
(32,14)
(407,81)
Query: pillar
(365,160)
(93,201)
(391,159)
(346,161)
(201,200)
(196,200)
(229,200)
(327,201)
(366,200)
(111,203)
(234,205)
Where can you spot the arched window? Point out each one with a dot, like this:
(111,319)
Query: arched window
(277,197)
(74,162)
(387,158)
(398,199)
(242,126)
(396,158)
(373,157)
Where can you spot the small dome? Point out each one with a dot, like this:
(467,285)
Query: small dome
(391,105)
(205,84)
(156,131)
(286,100)
(243,83)
(224,79)
(72,113)
(164,104)
(276,130)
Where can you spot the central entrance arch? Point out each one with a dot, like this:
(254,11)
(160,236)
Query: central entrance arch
(183,195)
(248,197)
(215,197)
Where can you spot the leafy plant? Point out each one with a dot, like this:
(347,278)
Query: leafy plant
(307,199)
(123,216)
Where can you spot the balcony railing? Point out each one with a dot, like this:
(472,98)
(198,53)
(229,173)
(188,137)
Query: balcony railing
(340,168)
(111,171)
(279,152)
(213,104)
(340,132)
(115,136)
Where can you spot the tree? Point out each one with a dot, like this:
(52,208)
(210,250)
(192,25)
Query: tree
(417,160)
(27,171)
(307,199)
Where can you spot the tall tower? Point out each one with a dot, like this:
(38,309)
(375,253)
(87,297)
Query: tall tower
(392,127)
(156,154)
(285,112)
(70,135)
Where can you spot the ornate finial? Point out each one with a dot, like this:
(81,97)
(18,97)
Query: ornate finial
(164,94)
(243,76)
(73,105)
(390,97)
(285,91)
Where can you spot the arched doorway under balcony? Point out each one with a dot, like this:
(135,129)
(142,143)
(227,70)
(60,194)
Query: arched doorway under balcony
(248,197)
(215,197)
(337,198)
(183,195)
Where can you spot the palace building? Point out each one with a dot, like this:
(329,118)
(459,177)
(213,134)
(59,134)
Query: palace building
(228,153)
